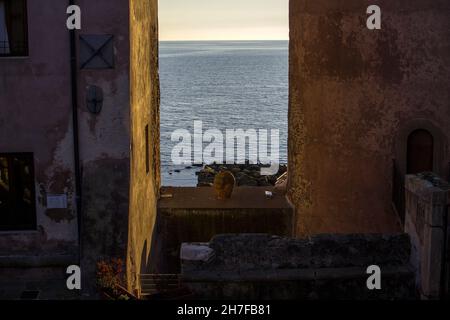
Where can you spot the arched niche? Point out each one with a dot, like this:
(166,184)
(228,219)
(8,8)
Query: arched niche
(421,134)
(420,152)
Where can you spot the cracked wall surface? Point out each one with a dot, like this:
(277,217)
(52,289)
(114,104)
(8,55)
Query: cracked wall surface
(35,116)
(105,140)
(144,186)
(355,95)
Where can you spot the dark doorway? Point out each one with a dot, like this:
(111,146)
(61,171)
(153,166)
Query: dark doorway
(420,152)
(17,198)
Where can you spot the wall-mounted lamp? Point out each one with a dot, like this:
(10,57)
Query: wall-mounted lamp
(94,99)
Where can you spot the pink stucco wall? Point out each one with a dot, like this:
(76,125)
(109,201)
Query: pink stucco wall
(36,116)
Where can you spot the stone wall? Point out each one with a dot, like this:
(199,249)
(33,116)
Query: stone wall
(355,96)
(322,267)
(195,215)
(144,184)
(427,201)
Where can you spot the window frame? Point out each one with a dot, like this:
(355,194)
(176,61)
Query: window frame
(25,51)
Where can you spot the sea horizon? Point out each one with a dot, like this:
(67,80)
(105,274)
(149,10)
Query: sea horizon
(226,84)
(250,40)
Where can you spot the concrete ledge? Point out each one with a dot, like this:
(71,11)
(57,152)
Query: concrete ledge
(204,198)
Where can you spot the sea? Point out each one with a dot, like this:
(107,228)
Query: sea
(224,84)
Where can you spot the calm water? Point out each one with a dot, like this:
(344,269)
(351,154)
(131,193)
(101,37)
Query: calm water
(227,85)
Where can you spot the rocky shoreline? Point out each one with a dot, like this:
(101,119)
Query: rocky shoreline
(246,174)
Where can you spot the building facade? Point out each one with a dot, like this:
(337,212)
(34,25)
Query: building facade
(366,108)
(75,159)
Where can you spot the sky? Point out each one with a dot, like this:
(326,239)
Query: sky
(223,20)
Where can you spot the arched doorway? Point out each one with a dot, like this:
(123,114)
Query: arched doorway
(420,152)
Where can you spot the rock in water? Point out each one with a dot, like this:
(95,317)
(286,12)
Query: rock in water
(224,184)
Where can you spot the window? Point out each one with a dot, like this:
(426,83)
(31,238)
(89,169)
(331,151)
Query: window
(17,194)
(13,28)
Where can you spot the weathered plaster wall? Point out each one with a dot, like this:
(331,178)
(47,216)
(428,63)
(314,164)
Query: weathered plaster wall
(105,139)
(144,111)
(353,95)
(35,116)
